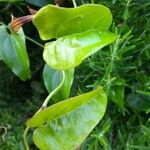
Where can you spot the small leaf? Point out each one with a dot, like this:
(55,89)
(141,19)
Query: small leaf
(69,51)
(52,78)
(71,119)
(53,22)
(13,52)
(116,92)
(139,101)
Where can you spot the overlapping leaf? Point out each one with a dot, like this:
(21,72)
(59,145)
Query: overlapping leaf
(79,32)
(71,119)
(54,22)
(52,78)
(13,52)
(69,51)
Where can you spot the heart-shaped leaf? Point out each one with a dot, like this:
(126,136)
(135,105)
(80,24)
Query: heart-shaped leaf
(52,78)
(69,51)
(13,52)
(71,119)
(53,22)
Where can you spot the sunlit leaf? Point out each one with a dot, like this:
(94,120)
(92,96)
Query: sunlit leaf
(71,119)
(53,22)
(13,52)
(69,51)
(59,109)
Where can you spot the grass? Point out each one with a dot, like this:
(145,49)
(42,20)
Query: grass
(122,68)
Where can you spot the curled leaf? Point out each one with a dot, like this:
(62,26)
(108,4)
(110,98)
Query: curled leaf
(17,23)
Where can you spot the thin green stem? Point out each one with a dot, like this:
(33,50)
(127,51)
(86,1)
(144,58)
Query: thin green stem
(33,41)
(25,138)
(74,3)
(44,105)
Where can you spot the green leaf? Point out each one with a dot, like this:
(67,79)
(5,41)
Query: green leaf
(53,22)
(52,78)
(116,92)
(69,51)
(13,52)
(69,122)
(139,101)
(64,107)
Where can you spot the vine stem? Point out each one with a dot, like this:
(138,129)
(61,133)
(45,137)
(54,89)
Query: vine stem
(44,105)
(74,3)
(35,42)
(25,138)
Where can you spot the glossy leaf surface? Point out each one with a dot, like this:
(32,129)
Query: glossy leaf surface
(69,51)
(52,78)
(64,107)
(13,52)
(53,22)
(69,122)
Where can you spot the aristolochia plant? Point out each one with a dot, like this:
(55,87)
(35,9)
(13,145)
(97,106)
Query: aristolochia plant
(79,33)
